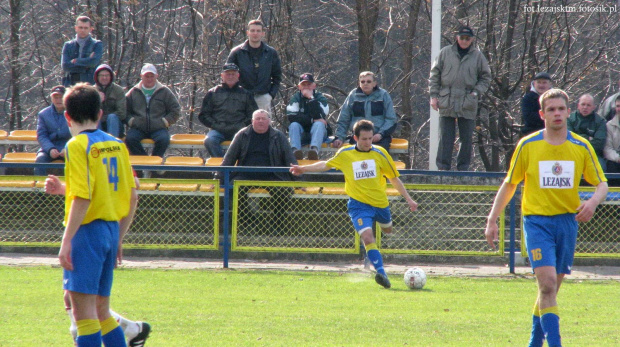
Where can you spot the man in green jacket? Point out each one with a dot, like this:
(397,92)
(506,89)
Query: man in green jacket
(459,76)
(586,123)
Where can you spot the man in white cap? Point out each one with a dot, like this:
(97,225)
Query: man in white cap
(151,109)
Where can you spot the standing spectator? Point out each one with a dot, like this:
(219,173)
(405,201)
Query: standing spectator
(530,118)
(370,102)
(226,109)
(612,144)
(608,110)
(586,123)
(151,110)
(113,104)
(307,113)
(551,164)
(259,144)
(459,75)
(52,131)
(81,55)
(259,64)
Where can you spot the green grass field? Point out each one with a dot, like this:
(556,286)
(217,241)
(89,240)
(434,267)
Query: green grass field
(270,308)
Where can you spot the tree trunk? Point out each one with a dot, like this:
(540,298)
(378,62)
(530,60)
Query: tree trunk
(405,90)
(367,16)
(15,117)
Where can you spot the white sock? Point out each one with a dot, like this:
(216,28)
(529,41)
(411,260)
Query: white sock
(130,328)
(73,327)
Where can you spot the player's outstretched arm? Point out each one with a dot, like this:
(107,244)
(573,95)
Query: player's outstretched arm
(125,223)
(504,194)
(398,184)
(54,186)
(299,170)
(587,208)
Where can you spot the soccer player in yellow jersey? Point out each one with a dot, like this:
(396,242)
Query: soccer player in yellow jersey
(99,207)
(551,163)
(364,167)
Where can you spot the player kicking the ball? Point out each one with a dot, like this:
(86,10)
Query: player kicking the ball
(364,167)
(551,162)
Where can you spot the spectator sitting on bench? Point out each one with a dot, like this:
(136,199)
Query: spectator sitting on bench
(52,131)
(226,109)
(113,102)
(307,112)
(259,144)
(151,109)
(370,102)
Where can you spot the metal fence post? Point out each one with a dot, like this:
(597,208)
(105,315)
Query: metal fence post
(226,216)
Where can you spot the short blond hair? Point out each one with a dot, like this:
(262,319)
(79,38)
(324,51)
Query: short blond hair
(367,73)
(553,93)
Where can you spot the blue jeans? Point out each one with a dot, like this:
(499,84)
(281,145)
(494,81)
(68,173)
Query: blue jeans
(134,136)
(44,158)
(214,141)
(316,136)
(112,125)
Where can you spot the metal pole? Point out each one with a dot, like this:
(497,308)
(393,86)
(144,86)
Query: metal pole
(434,115)
(226,216)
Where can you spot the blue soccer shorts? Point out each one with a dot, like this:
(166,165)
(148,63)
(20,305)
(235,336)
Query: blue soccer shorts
(551,240)
(363,215)
(93,254)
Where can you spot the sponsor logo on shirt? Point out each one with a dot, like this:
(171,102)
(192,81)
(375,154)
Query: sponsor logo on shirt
(95,152)
(556,174)
(364,169)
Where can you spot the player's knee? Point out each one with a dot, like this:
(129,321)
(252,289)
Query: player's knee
(547,286)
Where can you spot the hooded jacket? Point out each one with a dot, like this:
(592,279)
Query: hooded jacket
(160,112)
(114,101)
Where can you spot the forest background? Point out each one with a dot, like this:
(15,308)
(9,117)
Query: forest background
(189,40)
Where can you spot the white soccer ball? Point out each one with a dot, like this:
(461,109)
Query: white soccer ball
(415,278)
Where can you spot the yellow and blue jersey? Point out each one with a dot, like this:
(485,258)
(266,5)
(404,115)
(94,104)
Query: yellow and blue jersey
(552,173)
(97,168)
(365,173)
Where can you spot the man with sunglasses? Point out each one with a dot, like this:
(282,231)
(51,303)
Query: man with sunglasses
(459,76)
(369,102)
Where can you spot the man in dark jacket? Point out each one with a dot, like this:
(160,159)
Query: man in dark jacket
(261,145)
(113,101)
(307,113)
(589,125)
(259,64)
(52,131)
(81,55)
(530,118)
(225,110)
(151,110)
